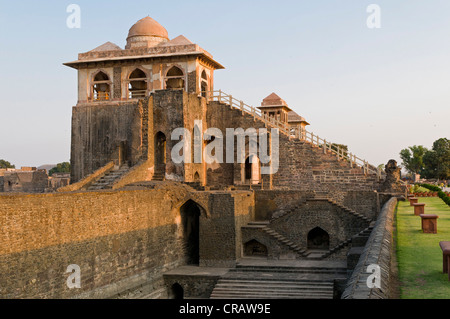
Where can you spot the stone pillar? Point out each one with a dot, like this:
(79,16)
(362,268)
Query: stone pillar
(419,208)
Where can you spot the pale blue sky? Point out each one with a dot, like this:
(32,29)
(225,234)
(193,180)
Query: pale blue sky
(376,90)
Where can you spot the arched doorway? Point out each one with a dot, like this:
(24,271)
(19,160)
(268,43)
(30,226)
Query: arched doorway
(176,291)
(196,177)
(318,239)
(252,170)
(160,153)
(190,223)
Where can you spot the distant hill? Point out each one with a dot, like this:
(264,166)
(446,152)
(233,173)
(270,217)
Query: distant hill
(47,167)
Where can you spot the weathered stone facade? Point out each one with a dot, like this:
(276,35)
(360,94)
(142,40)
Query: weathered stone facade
(133,213)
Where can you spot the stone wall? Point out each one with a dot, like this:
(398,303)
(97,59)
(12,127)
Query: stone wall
(268,202)
(379,250)
(294,223)
(99,131)
(220,235)
(120,239)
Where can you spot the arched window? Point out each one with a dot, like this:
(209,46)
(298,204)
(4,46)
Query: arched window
(175,78)
(204,84)
(101,87)
(137,86)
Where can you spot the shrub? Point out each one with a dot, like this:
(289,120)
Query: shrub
(440,193)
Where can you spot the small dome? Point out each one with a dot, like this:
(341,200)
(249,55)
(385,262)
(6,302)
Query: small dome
(148,27)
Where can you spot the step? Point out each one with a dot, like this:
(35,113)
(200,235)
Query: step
(298,271)
(269,285)
(273,293)
(266,297)
(255,294)
(262,222)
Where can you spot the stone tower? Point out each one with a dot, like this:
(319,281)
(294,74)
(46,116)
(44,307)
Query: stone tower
(108,119)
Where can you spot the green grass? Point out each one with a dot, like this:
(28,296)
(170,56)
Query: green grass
(419,256)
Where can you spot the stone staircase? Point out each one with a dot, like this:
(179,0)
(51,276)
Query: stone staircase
(278,280)
(362,234)
(315,141)
(107,180)
(160,173)
(264,226)
(302,252)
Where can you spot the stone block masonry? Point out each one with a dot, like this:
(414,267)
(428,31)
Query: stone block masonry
(114,236)
(379,250)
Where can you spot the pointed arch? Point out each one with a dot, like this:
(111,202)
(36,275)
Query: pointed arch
(318,239)
(176,291)
(175,78)
(137,84)
(204,87)
(101,86)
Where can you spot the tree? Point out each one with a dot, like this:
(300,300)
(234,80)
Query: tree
(6,164)
(437,160)
(63,167)
(412,158)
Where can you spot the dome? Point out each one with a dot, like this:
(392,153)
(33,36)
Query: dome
(148,27)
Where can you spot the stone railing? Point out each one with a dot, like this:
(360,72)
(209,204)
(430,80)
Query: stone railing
(379,252)
(293,131)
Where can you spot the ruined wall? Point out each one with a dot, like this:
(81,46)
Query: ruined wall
(121,239)
(98,130)
(26,182)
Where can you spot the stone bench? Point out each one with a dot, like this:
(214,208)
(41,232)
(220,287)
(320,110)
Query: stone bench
(445,246)
(413,200)
(419,208)
(429,223)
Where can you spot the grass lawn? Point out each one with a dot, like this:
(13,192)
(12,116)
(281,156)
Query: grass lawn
(419,256)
